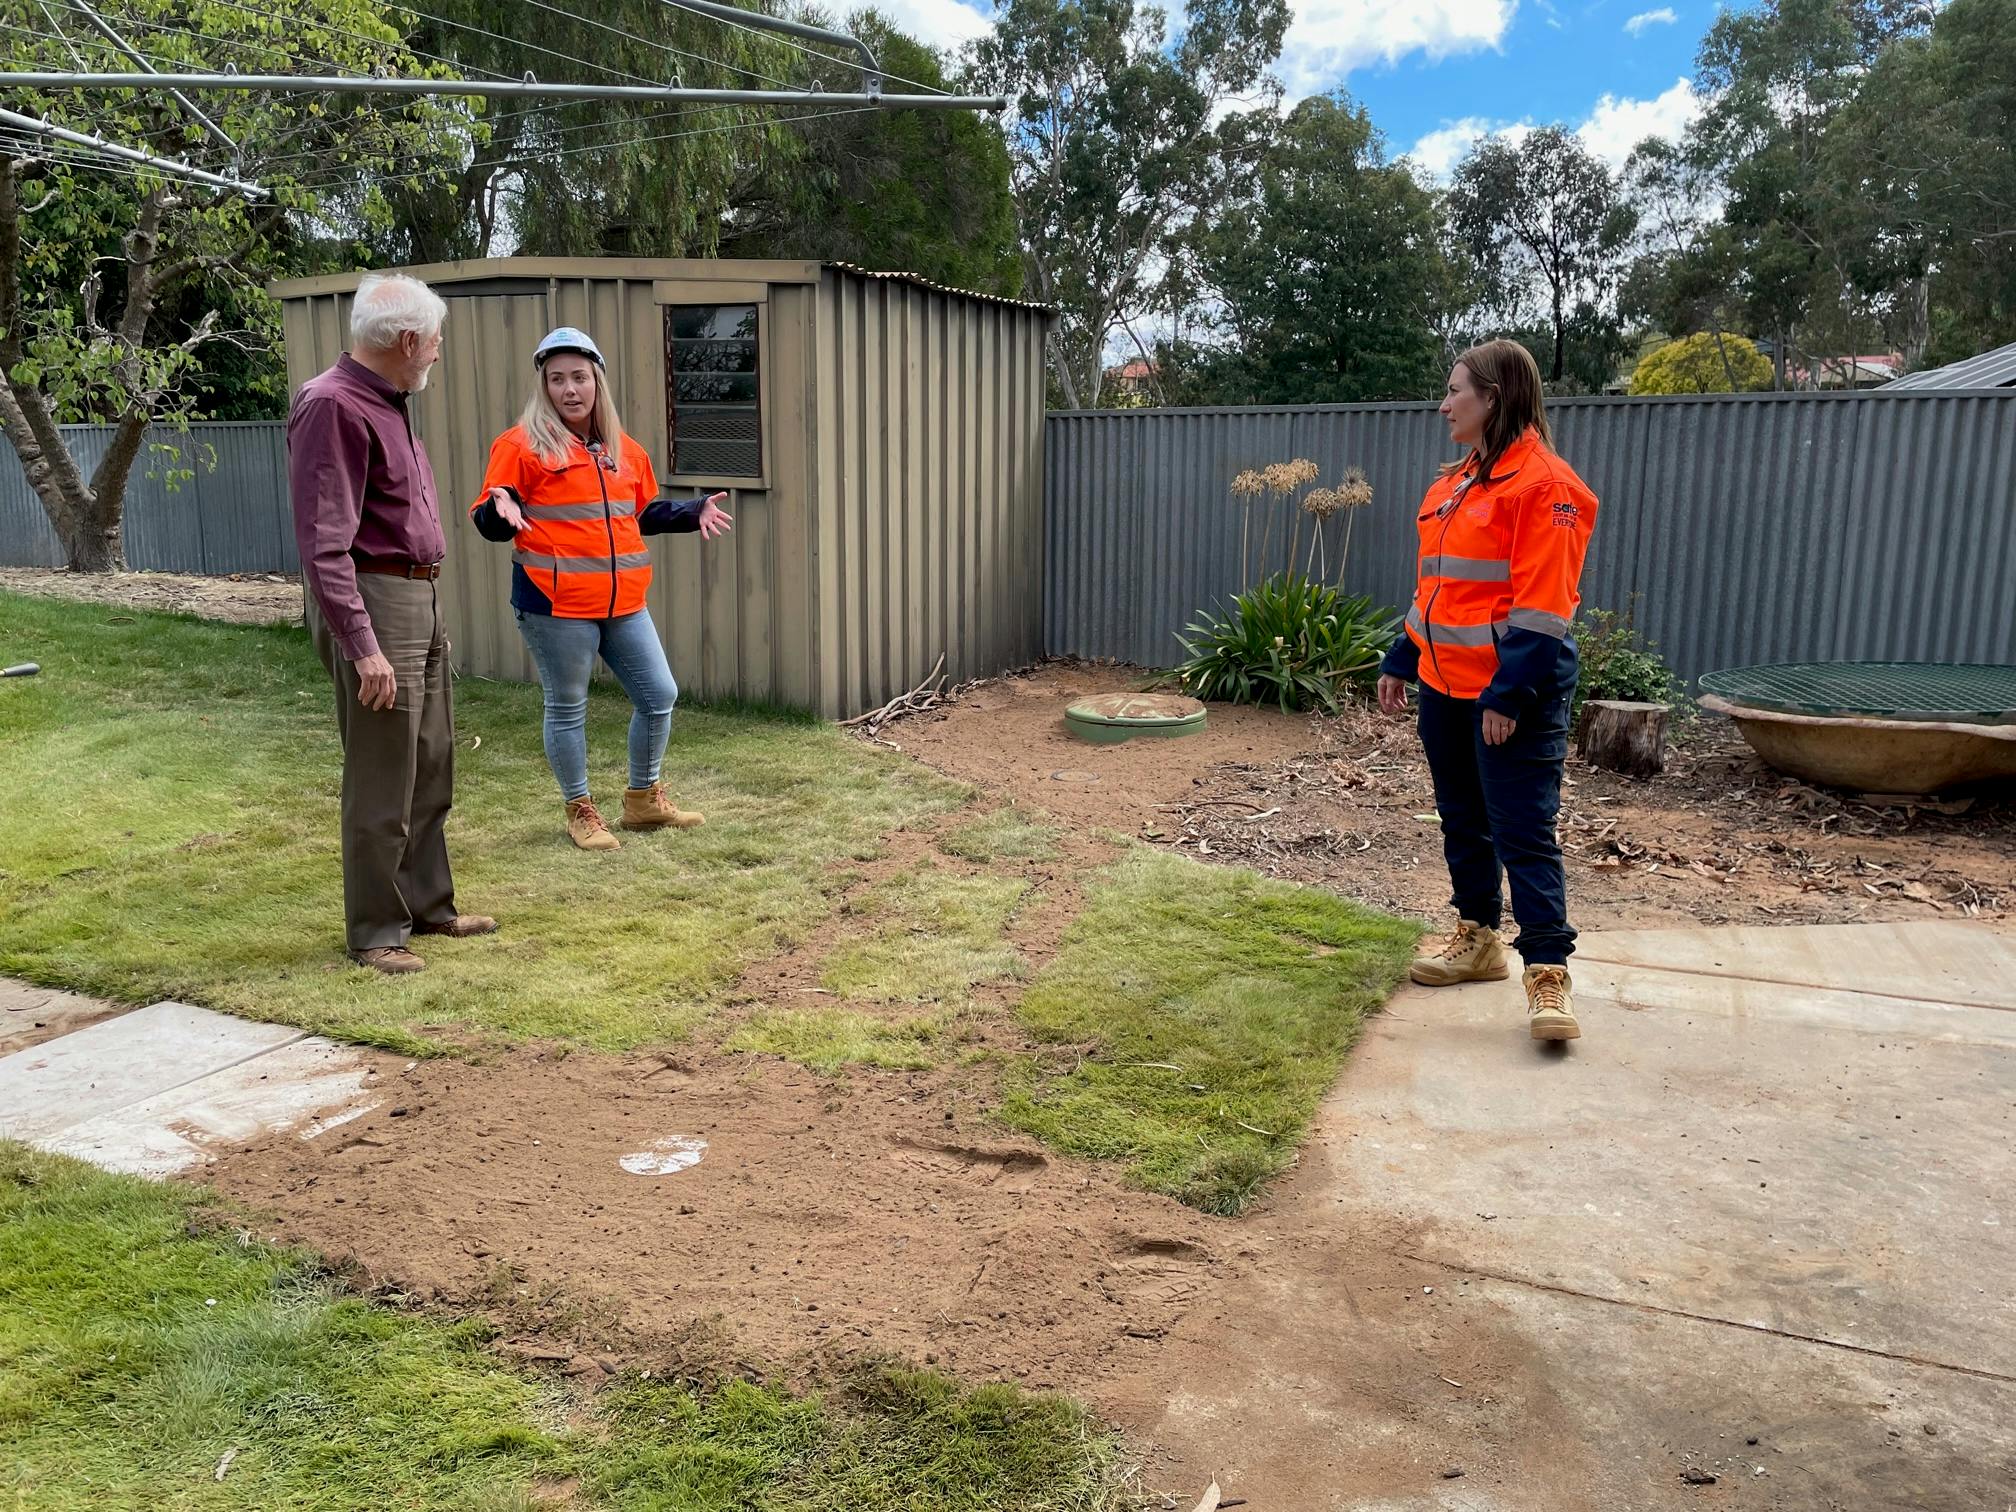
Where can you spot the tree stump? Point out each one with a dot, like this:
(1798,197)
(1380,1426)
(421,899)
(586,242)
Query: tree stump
(1624,737)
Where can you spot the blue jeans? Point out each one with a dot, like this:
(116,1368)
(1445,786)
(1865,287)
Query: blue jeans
(564,650)
(1498,805)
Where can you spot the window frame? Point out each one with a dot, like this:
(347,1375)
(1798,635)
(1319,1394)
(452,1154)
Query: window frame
(678,293)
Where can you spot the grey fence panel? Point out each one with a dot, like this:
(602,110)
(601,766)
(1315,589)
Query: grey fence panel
(231,516)
(1756,527)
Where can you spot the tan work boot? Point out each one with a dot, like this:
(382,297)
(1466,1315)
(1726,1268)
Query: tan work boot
(393,960)
(1472,954)
(1550,1003)
(587,829)
(649,808)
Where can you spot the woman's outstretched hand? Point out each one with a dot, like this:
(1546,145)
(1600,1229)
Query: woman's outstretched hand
(507,508)
(714,520)
(1392,695)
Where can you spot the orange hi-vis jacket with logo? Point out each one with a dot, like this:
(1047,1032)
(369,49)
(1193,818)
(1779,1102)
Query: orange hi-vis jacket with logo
(582,553)
(1499,581)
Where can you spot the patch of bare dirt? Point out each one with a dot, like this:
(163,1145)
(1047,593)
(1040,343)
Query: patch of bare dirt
(1346,803)
(823,1222)
(242,598)
(1007,735)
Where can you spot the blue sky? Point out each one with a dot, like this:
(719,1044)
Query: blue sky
(1438,73)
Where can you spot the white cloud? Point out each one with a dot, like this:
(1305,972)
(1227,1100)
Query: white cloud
(1616,126)
(1612,129)
(1438,153)
(1661,17)
(938,23)
(1329,38)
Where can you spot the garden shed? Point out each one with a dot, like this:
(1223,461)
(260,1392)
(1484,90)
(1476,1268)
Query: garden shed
(881,438)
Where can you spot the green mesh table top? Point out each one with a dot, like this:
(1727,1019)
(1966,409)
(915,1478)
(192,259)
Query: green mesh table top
(1915,691)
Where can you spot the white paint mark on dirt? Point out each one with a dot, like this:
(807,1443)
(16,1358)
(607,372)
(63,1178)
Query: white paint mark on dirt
(664,1156)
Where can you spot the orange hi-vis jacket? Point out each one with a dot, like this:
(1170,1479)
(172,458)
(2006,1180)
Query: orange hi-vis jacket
(582,549)
(1499,580)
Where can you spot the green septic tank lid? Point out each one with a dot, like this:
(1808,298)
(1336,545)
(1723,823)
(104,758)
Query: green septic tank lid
(1113,717)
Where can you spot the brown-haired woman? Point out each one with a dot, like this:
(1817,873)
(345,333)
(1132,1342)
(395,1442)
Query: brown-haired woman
(1503,535)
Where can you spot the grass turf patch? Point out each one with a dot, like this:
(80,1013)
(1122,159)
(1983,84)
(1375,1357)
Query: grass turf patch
(178,785)
(1002,834)
(830,1039)
(929,938)
(934,936)
(1251,990)
(143,1339)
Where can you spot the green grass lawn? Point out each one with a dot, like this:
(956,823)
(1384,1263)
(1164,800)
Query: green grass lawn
(172,827)
(174,835)
(1211,1010)
(172,832)
(144,1338)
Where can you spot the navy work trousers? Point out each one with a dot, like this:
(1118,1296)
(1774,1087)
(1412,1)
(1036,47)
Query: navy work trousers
(1498,805)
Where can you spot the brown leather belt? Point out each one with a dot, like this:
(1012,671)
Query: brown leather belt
(427,570)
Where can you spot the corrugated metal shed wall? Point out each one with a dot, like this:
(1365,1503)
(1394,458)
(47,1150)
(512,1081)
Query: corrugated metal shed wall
(927,485)
(230,517)
(1752,527)
(904,434)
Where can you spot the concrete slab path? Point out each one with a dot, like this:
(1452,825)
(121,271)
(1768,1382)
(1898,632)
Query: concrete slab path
(1759,1224)
(148,1092)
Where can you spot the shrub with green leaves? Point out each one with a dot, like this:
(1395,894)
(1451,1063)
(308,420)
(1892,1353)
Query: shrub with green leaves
(1619,663)
(1289,640)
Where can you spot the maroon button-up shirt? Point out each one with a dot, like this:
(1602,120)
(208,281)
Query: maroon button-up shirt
(361,487)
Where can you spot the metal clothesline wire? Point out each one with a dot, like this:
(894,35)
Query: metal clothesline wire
(801,47)
(313,185)
(664,47)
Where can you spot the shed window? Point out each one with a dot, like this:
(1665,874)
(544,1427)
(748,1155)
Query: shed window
(710,362)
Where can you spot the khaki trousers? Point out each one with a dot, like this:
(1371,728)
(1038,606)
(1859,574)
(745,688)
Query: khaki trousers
(398,766)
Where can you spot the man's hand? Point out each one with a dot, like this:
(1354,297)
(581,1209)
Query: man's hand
(376,686)
(507,508)
(714,520)
(1392,695)
(1498,727)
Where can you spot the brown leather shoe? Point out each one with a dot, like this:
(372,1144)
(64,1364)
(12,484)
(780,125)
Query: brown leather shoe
(393,960)
(461,927)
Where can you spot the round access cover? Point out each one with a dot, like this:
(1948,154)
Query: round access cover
(1915,692)
(1112,717)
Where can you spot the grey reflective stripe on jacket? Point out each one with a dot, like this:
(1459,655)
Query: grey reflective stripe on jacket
(1468,569)
(1453,635)
(1539,620)
(538,513)
(581,564)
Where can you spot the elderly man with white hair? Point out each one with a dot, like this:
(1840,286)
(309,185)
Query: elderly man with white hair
(369,530)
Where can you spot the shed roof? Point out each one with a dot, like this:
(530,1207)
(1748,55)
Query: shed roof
(757,270)
(1996,369)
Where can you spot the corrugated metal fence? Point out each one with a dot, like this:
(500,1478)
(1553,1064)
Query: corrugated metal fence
(230,517)
(1752,528)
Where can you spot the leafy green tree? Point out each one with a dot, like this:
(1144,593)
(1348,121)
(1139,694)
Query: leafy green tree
(1776,75)
(1112,148)
(1330,269)
(1936,202)
(1704,363)
(1548,214)
(114,280)
(917,191)
(596,177)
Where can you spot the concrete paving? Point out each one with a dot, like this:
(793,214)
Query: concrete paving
(1771,1194)
(151,1091)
